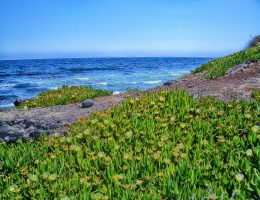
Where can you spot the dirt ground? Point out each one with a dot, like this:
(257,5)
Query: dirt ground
(235,85)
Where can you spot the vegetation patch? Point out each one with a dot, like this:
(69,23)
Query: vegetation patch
(63,95)
(165,145)
(219,67)
(254,42)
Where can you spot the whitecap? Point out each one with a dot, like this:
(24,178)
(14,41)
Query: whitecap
(5,85)
(116,92)
(179,73)
(152,82)
(83,78)
(133,83)
(101,83)
(7,105)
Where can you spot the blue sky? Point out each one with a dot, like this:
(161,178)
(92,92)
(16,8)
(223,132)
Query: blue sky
(110,28)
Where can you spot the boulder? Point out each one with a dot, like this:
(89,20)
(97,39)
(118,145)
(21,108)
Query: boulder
(169,83)
(18,102)
(87,103)
(30,122)
(34,132)
(9,133)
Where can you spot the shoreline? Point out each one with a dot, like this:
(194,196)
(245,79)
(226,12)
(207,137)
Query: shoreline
(237,85)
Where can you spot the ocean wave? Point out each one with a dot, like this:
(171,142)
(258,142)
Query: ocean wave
(36,89)
(86,69)
(6,85)
(83,78)
(6,105)
(28,78)
(133,83)
(7,97)
(179,73)
(152,82)
(23,73)
(117,92)
(22,85)
(101,83)
(3,75)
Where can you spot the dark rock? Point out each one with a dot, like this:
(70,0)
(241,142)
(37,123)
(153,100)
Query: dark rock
(87,103)
(22,126)
(168,83)
(30,122)
(30,130)
(19,121)
(42,126)
(18,102)
(6,122)
(26,137)
(53,126)
(9,133)
(34,132)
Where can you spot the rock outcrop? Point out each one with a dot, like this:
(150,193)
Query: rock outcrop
(29,124)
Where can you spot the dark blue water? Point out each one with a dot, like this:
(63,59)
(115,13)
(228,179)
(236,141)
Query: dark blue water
(27,78)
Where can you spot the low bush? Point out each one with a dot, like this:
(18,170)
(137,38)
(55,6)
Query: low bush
(220,66)
(63,95)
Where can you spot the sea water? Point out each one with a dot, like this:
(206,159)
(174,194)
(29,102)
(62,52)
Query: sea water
(26,78)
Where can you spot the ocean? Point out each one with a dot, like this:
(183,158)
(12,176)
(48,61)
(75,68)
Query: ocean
(26,78)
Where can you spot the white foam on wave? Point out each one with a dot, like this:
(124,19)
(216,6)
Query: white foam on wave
(101,83)
(83,78)
(133,83)
(116,92)
(152,82)
(6,85)
(7,105)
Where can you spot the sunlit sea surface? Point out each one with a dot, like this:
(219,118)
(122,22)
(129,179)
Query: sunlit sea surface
(27,78)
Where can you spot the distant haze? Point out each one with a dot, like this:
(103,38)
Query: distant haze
(125,28)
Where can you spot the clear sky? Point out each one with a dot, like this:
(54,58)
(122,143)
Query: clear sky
(110,28)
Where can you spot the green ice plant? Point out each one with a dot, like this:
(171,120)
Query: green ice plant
(164,145)
(218,67)
(63,95)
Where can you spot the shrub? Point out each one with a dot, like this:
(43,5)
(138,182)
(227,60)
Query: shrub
(63,95)
(254,42)
(220,66)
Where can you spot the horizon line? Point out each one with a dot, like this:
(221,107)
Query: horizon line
(104,57)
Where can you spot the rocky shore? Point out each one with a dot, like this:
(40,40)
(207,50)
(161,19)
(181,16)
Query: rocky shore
(26,124)
(31,123)
(236,85)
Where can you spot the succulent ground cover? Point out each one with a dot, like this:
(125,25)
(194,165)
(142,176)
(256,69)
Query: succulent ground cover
(219,67)
(164,145)
(63,95)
